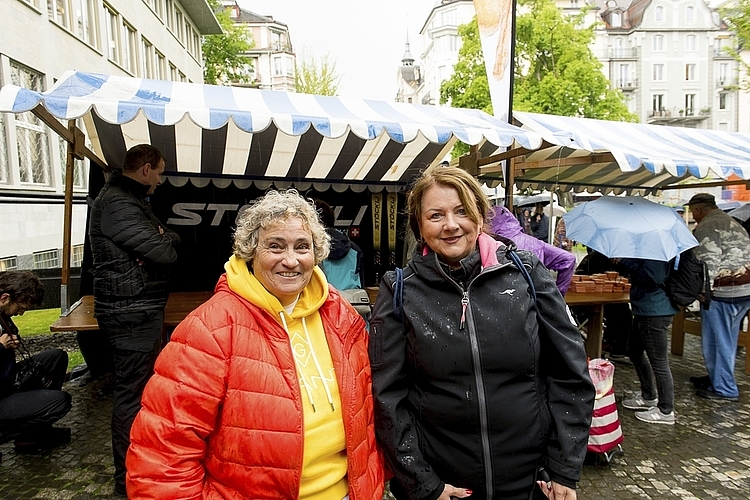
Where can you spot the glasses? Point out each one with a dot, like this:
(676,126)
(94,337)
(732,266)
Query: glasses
(22,307)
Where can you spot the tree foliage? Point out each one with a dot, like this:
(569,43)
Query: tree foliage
(316,75)
(224,56)
(737,17)
(555,70)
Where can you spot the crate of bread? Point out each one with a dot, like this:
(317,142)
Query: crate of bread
(609,282)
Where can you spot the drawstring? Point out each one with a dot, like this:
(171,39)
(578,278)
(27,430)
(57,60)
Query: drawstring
(302,382)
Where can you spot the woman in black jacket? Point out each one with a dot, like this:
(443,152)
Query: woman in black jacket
(480,380)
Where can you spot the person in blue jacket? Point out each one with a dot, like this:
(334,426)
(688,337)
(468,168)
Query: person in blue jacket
(343,267)
(648,344)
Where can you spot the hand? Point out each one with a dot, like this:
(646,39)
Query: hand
(9,341)
(557,491)
(161,230)
(453,492)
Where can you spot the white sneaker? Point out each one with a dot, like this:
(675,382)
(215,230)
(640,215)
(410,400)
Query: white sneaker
(638,403)
(655,416)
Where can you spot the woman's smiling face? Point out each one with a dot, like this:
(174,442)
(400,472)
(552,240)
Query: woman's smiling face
(445,225)
(284,259)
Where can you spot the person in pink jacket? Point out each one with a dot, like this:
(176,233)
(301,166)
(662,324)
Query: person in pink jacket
(265,390)
(505,224)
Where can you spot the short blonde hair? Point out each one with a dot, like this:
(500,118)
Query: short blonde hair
(272,207)
(475,202)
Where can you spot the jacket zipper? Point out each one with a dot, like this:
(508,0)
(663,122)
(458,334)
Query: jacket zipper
(478,379)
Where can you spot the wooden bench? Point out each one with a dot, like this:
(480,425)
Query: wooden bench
(682,324)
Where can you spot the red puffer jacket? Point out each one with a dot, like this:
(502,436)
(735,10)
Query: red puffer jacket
(222,415)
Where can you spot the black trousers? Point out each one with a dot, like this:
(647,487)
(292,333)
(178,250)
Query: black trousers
(30,412)
(135,338)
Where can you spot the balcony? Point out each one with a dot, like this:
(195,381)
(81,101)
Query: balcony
(679,118)
(622,53)
(626,84)
(727,82)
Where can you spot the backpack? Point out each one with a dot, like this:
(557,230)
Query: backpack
(687,279)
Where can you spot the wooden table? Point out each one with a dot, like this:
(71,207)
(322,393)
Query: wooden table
(595,302)
(81,315)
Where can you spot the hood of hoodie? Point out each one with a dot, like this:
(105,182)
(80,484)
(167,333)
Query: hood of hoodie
(340,244)
(505,223)
(244,283)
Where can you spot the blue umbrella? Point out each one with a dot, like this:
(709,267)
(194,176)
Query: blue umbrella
(629,227)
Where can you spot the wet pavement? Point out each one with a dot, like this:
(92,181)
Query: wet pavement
(706,455)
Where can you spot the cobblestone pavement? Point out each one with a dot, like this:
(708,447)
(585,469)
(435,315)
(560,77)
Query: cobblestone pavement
(706,455)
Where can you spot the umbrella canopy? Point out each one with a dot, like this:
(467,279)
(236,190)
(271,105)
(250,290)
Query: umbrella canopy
(526,201)
(629,227)
(249,134)
(554,210)
(742,213)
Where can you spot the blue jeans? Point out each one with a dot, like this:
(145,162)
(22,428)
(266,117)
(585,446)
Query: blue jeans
(720,327)
(648,349)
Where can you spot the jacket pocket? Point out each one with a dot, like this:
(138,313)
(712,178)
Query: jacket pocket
(376,345)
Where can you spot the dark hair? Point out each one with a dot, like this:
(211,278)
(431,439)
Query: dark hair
(139,155)
(327,215)
(22,286)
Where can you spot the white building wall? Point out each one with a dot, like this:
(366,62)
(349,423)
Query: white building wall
(31,215)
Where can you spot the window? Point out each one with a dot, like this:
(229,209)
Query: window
(722,100)
(690,43)
(130,49)
(46,260)
(4,162)
(616,19)
(290,66)
(113,35)
(178,25)
(449,17)
(689,14)
(659,13)
(79,166)
(624,80)
(689,104)
(573,3)
(196,44)
(183,78)
(77,16)
(658,72)
(446,43)
(8,264)
(658,42)
(161,66)
(278,69)
(148,59)
(723,74)
(657,102)
(690,72)
(31,134)
(174,75)
(76,256)
(169,14)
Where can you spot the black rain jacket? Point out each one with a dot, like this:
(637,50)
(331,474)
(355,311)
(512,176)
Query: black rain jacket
(131,257)
(478,396)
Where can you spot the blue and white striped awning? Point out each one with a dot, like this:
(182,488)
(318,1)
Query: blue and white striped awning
(642,158)
(214,131)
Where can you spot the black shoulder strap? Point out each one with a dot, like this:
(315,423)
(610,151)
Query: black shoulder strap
(519,264)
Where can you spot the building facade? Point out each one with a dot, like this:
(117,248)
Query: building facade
(42,39)
(272,55)
(669,59)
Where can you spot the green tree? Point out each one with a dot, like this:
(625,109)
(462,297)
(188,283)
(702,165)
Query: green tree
(555,70)
(224,56)
(316,75)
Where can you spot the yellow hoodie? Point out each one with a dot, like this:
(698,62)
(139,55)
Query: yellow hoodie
(324,462)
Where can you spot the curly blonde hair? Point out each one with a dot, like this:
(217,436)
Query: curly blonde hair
(272,207)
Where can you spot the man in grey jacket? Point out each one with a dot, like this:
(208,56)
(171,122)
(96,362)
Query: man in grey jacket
(131,252)
(725,248)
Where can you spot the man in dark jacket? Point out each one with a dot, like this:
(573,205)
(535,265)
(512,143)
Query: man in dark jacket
(131,251)
(27,413)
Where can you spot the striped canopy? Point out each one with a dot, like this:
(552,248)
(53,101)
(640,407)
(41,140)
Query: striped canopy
(232,132)
(626,157)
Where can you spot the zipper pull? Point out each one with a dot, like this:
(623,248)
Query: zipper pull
(464,303)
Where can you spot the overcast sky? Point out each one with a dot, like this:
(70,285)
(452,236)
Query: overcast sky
(366,39)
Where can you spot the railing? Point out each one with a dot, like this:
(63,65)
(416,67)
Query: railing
(622,53)
(626,83)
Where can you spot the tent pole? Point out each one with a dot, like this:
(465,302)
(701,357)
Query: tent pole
(67,218)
